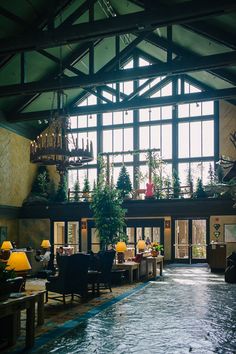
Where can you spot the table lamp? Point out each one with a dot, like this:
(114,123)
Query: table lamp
(7,245)
(45,244)
(6,250)
(18,261)
(141,245)
(120,249)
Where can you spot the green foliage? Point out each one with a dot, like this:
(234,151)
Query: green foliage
(167,184)
(52,191)
(61,195)
(108,214)
(219,174)
(123,183)
(76,191)
(190,182)
(158,184)
(211,175)
(5,273)
(176,184)
(41,182)
(200,192)
(86,187)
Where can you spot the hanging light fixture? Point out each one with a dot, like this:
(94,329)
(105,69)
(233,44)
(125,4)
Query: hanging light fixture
(57,145)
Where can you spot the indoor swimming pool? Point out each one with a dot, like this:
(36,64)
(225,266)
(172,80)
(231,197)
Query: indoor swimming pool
(190,310)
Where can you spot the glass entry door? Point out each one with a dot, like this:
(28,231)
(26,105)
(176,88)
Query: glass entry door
(149,230)
(66,235)
(190,240)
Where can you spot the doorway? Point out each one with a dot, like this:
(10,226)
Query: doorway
(189,240)
(149,230)
(66,234)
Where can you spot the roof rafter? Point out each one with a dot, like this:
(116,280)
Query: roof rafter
(136,22)
(213,33)
(184,53)
(98,79)
(135,103)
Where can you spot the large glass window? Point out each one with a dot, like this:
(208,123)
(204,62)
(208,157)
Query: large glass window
(188,128)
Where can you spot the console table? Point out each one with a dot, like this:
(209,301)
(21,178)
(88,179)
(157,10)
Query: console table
(131,267)
(154,261)
(10,312)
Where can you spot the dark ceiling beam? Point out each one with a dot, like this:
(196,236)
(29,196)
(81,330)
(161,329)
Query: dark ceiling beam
(70,60)
(75,71)
(184,53)
(39,23)
(136,22)
(77,13)
(112,64)
(218,35)
(157,87)
(138,89)
(101,78)
(135,103)
(187,77)
(11,16)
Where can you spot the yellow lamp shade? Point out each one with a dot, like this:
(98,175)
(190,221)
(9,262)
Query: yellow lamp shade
(121,246)
(6,245)
(141,244)
(18,261)
(45,244)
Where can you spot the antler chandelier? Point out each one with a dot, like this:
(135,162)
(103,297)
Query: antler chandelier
(57,146)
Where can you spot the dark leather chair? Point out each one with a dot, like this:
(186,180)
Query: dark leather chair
(72,278)
(104,264)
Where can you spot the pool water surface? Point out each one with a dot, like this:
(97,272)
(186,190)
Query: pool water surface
(190,310)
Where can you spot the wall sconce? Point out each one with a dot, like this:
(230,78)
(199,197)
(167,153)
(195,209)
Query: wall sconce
(167,224)
(83,225)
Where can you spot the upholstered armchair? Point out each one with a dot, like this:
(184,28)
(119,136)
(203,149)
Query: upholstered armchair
(104,267)
(72,278)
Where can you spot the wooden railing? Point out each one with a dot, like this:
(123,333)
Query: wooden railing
(185,192)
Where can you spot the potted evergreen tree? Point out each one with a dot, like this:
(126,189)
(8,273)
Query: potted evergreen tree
(123,183)
(61,195)
(200,192)
(86,190)
(109,216)
(176,184)
(76,191)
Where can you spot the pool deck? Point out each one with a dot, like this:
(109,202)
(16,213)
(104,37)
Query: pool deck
(60,318)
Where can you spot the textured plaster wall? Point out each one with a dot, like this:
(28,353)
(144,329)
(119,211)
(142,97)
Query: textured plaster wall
(12,229)
(222,220)
(17,173)
(33,231)
(227,126)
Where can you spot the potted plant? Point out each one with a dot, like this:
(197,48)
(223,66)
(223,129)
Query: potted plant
(156,249)
(86,190)
(5,284)
(123,183)
(109,216)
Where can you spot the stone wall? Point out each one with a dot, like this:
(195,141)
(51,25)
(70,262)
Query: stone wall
(227,126)
(12,229)
(33,231)
(17,173)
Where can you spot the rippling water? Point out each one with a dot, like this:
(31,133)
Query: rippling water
(191,310)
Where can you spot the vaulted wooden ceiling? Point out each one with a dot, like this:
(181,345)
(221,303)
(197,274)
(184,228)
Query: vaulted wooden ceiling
(80,46)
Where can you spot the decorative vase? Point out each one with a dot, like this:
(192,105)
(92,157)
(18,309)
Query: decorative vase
(154,253)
